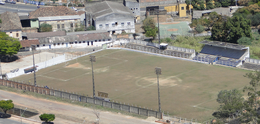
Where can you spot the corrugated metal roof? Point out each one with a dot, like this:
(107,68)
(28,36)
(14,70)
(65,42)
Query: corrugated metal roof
(53,18)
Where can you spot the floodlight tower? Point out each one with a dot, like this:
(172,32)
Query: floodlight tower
(33,48)
(93,59)
(158,72)
(157,13)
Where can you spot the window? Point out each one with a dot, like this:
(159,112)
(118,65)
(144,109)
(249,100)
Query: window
(100,26)
(116,23)
(58,43)
(54,44)
(62,26)
(136,8)
(58,26)
(71,25)
(128,23)
(38,45)
(99,40)
(62,43)
(17,34)
(113,24)
(182,8)
(83,41)
(108,39)
(75,42)
(122,24)
(95,40)
(131,9)
(43,45)
(80,42)
(104,40)
(107,25)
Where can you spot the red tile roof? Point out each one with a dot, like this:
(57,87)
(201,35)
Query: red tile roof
(28,43)
(52,11)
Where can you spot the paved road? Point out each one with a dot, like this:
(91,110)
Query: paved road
(22,9)
(69,113)
(10,121)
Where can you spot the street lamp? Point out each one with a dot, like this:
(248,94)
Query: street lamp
(158,72)
(93,59)
(22,115)
(33,48)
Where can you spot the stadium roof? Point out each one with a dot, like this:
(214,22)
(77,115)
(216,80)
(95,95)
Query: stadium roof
(224,44)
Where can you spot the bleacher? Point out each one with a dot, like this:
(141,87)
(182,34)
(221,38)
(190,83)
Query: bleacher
(153,49)
(205,58)
(224,52)
(251,66)
(228,62)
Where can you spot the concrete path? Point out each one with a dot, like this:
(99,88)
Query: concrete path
(67,113)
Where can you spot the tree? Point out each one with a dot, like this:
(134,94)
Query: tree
(80,28)
(243,2)
(209,4)
(250,114)
(238,27)
(149,27)
(244,41)
(91,28)
(6,105)
(45,27)
(255,20)
(231,103)
(47,117)
(199,28)
(8,45)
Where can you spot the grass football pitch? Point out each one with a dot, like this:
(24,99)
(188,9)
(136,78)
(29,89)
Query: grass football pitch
(187,89)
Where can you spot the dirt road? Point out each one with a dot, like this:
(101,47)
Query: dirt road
(69,114)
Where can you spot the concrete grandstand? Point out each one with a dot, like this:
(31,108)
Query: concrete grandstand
(222,53)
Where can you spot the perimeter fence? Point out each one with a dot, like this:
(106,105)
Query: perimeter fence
(81,98)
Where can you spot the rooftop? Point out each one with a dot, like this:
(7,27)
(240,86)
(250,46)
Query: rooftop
(45,34)
(224,44)
(10,21)
(107,7)
(52,11)
(28,43)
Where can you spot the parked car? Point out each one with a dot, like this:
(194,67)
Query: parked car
(2,3)
(13,2)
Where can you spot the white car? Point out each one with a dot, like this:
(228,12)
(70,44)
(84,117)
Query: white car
(2,3)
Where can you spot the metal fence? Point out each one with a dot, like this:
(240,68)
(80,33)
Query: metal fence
(80,98)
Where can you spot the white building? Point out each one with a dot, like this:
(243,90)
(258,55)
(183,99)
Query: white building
(111,16)
(70,40)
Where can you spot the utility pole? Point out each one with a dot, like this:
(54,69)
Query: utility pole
(158,12)
(190,7)
(34,68)
(93,59)
(158,72)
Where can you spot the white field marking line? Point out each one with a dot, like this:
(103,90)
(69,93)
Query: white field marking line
(152,84)
(77,76)
(51,77)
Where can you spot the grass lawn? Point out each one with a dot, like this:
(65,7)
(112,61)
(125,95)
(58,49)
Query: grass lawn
(188,89)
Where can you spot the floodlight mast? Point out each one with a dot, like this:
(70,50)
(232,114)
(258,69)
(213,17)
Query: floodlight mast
(158,72)
(93,59)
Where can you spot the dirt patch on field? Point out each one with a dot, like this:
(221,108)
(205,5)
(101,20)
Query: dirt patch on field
(173,29)
(77,65)
(163,82)
(170,23)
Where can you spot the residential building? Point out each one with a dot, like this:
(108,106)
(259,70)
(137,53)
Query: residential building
(26,44)
(111,16)
(53,40)
(134,6)
(11,25)
(59,17)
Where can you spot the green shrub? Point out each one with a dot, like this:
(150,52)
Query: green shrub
(47,117)
(244,41)
(199,28)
